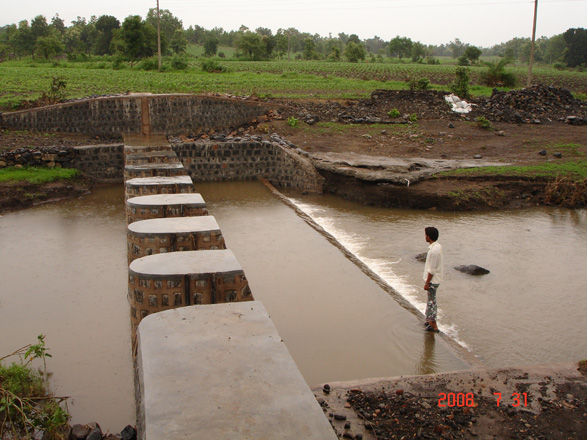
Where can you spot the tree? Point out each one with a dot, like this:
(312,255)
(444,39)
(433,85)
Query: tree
(178,43)
(457,47)
(23,41)
(309,52)
(251,45)
(472,53)
(48,47)
(555,48)
(58,25)
(168,23)
(418,51)
(354,52)
(106,25)
(210,46)
(400,47)
(576,50)
(136,39)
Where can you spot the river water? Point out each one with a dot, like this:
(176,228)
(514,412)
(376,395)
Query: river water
(64,274)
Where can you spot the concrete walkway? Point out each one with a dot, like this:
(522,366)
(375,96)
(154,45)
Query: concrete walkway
(222,372)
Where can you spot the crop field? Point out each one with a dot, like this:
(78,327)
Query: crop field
(292,79)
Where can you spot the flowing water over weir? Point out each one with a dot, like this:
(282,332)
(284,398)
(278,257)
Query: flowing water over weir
(65,275)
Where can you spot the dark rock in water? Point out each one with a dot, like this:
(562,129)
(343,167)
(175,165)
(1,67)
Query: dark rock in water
(129,433)
(421,257)
(95,434)
(472,269)
(79,432)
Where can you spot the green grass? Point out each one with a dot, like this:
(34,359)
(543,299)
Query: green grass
(37,175)
(575,170)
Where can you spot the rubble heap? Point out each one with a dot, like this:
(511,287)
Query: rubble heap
(537,104)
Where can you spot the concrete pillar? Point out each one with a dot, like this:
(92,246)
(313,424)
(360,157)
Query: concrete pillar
(180,234)
(177,279)
(154,170)
(165,206)
(143,186)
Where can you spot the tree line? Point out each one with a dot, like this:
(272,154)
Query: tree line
(136,38)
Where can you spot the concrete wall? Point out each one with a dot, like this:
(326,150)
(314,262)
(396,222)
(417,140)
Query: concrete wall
(138,114)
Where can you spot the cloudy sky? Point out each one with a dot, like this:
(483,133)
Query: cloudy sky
(477,22)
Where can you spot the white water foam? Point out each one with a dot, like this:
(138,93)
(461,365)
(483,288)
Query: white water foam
(353,242)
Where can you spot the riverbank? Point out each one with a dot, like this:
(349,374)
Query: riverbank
(531,402)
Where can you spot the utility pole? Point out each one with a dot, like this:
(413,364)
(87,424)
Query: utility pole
(158,38)
(529,83)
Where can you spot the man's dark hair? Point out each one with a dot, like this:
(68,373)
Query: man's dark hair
(432,232)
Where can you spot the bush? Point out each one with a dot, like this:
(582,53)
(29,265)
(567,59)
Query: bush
(483,122)
(559,66)
(496,75)
(393,113)
(463,61)
(292,122)
(179,62)
(149,64)
(461,85)
(420,84)
(212,66)
(25,404)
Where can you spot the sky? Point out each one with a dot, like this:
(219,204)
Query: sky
(481,23)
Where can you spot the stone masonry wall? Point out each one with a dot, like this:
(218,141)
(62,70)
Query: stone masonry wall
(137,114)
(248,160)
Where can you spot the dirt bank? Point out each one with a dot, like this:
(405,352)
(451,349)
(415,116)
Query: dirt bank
(19,195)
(534,402)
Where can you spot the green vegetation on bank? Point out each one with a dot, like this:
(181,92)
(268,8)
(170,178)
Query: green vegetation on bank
(26,406)
(573,170)
(37,175)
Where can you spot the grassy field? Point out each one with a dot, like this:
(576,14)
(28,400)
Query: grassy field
(37,175)
(28,79)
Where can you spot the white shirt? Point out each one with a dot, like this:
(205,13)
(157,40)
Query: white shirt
(434,263)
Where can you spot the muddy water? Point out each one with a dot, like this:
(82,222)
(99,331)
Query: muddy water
(531,308)
(64,275)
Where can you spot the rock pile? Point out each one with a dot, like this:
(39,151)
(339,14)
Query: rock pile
(44,156)
(535,105)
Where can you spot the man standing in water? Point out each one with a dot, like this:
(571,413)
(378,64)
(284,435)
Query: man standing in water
(433,272)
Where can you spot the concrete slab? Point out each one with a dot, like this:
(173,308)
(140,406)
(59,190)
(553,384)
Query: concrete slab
(155,181)
(175,225)
(186,263)
(167,200)
(222,372)
(140,140)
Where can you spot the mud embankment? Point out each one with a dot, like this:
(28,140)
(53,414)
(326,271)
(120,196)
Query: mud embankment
(416,184)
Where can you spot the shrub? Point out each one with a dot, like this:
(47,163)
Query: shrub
(212,66)
(463,61)
(179,62)
(420,84)
(414,118)
(292,122)
(25,404)
(559,66)
(393,113)
(461,85)
(483,122)
(149,64)
(496,75)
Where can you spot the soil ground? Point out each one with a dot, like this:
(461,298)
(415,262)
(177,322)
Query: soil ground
(537,402)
